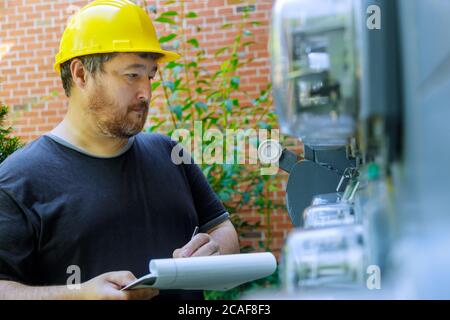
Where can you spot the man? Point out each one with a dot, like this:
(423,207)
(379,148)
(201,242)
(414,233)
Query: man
(95,195)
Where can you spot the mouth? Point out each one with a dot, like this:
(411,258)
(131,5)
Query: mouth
(140,109)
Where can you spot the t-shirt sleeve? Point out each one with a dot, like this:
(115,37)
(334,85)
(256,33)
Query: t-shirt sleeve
(210,209)
(16,241)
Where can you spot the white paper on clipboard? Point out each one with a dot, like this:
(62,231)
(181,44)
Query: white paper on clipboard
(222,272)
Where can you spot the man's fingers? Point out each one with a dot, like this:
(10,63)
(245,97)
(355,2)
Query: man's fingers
(141,294)
(176,253)
(198,241)
(120,278)
(209,249)
(200,245)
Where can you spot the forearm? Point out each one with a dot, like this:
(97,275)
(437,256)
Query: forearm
(225,235)
(10,290)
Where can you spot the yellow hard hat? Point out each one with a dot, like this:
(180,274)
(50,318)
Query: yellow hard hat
(106,26)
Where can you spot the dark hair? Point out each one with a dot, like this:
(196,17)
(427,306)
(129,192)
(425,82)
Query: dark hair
(94,63)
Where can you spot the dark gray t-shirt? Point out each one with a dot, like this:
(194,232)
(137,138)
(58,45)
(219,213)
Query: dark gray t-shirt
(60,206)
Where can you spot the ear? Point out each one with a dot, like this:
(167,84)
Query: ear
(79,73)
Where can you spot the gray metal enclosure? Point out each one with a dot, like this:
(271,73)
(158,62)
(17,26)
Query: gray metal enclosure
(424,176)
(397,218)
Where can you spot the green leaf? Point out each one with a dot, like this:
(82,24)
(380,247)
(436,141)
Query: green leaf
(177,110)
(248,43)
(206,170)
(172,64)
(177,70)
(226,26)
(235,81)
(55,93)
(228,105)
(245,197)
(234,62)
(221,51)
(155,85)
(187,106)
(183,89)
(264,96)
(259,202)
(225,65)
(218,73)
(169,84)
(169,2)
(177,83)
(214,95)
(165,20)
(255,23)
(191,14)
(250,60)
(247,33)
(152,8)
(193,64)
(167,38)
(264,125)
(169,13)
(193,42)
(213,120)
(203,81)
(224,196)
(155,126)
(201,106)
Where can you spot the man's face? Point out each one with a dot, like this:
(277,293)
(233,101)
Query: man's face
(119,97)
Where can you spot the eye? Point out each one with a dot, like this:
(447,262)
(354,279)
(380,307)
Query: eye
(132,75)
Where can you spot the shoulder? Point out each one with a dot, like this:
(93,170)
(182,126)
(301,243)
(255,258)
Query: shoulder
(156,141)
(154,137)
(26,158)
(162,145)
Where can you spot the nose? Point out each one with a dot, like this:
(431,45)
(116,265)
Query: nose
(144,90)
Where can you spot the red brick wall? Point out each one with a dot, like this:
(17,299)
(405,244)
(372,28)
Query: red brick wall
(30,31)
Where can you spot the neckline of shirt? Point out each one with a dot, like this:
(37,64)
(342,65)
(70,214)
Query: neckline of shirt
(85,152)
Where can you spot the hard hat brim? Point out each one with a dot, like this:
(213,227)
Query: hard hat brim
(168,56)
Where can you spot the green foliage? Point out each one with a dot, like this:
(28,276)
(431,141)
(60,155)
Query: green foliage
(193,93)
(8,144)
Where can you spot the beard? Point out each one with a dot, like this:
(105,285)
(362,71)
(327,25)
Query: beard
(112,120)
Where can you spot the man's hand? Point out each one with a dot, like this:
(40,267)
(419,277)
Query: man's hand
(201,245)
(222,239)
(107,287)
(104,287)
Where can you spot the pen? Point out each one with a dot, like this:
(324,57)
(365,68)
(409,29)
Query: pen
(195,232)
